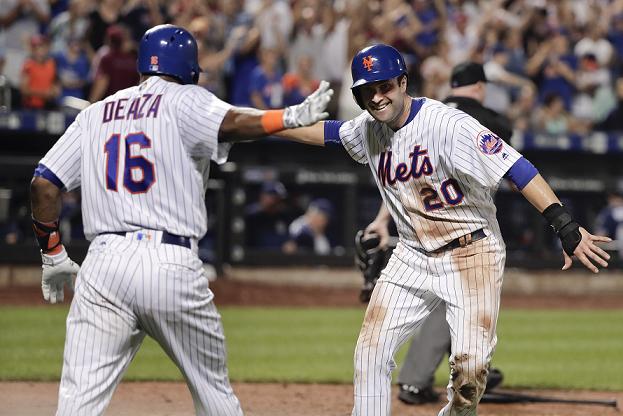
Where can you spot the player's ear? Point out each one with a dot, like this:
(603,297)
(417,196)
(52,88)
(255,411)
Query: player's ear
(402,82)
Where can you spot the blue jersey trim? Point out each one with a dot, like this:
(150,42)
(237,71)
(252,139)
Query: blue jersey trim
(43,171)
(332,131)
(416,105)
(521,173)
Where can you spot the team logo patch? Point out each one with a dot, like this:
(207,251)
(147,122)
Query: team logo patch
(489,143)
(153,63)
(368,62)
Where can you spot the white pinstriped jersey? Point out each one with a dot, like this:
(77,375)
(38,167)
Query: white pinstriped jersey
(142,157)
(437,174)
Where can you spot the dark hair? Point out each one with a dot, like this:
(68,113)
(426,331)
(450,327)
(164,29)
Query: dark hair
(550,97)
(399,79)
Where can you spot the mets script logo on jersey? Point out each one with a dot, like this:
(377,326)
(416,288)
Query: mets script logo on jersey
(489,143)
(368,62)
(420,165)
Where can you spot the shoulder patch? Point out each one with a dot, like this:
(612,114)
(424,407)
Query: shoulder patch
(489,143)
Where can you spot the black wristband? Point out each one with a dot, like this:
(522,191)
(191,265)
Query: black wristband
(565,226)
(47,234)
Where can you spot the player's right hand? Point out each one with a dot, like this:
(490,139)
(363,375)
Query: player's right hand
(58,270)
(588,252)
(309,111)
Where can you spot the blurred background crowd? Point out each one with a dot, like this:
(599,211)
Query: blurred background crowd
(553,66)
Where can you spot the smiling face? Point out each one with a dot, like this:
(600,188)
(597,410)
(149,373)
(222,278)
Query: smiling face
(386,101)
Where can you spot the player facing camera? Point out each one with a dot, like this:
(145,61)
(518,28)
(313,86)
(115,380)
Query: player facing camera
(436,169)
(380,83)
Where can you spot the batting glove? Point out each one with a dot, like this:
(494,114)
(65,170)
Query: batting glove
(309,111)
(58,270)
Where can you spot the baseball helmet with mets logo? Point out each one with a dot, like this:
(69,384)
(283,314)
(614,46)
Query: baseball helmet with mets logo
(375,63)
(169,50)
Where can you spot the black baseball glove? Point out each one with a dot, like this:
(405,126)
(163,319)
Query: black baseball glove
(371,259)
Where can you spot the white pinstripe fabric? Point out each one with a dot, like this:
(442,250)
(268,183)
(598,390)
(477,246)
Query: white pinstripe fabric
(468,279)
(183,141)
(126,289)
(449,136)
(135,285)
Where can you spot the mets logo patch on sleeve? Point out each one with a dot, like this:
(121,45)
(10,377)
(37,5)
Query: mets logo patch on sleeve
(489,143)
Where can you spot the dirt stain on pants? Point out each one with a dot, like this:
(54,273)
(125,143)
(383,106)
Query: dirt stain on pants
(467,386)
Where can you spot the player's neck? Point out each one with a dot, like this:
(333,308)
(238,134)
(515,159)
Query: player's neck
(402,119)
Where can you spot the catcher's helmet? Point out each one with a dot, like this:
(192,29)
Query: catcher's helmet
(375,63)
(169,50)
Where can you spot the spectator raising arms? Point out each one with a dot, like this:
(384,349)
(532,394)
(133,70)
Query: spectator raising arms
(73,69)
(553,66)
(502,81)
(298,85)
(19,20)
(68,25)
(106,14)
(265,84)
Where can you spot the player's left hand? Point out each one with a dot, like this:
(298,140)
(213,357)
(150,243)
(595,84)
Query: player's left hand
(58,270)
(311,110)
(588,252)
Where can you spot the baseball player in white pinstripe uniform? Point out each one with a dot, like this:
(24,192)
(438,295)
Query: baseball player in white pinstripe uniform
(436,168)
(141,157)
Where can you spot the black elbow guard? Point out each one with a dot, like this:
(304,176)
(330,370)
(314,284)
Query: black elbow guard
(565,226)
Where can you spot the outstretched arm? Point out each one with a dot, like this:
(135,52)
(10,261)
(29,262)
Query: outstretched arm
(248,123)
(313,135)
(575,239)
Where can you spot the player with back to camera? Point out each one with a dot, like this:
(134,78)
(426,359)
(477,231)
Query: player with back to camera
(432,341)
(436,168)
(141,157)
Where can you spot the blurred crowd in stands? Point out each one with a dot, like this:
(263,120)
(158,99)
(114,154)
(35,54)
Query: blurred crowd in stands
(553,65)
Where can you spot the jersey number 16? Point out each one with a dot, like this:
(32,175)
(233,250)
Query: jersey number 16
(138,172)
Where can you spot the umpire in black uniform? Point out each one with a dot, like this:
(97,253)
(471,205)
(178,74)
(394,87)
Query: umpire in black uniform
(432,342)
(468,82)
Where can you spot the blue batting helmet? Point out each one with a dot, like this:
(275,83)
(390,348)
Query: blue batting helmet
(169,50)
(375,63)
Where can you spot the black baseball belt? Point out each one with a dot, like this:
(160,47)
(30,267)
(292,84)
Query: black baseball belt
(167,238)
(462,241)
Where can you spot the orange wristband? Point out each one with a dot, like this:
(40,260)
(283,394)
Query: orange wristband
(48,236)
(272,121)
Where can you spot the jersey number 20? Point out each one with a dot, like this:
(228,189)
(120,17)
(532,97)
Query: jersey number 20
(451,191)
(138,172)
